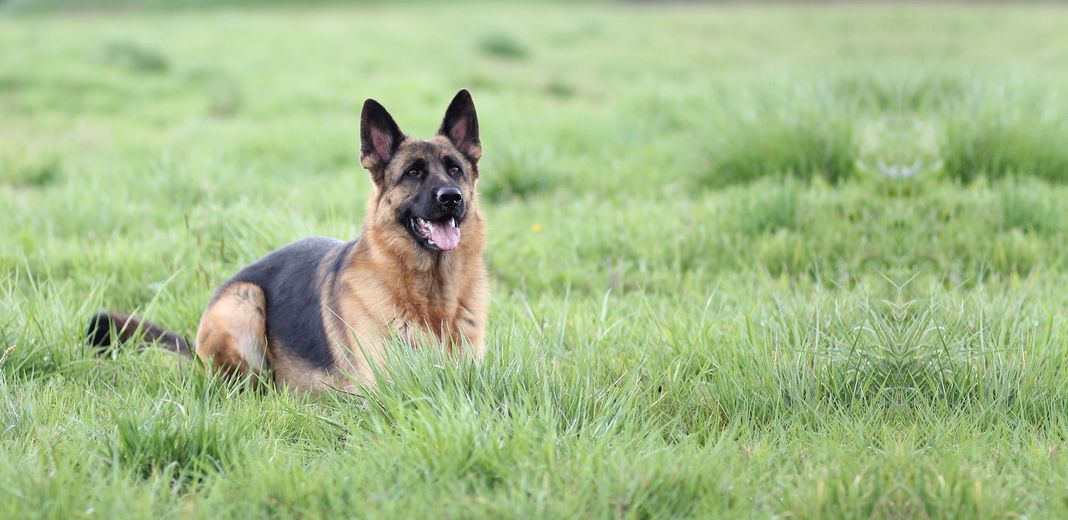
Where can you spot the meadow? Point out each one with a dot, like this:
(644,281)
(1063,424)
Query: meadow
(748,261)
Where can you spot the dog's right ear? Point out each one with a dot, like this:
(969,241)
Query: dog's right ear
(379,138)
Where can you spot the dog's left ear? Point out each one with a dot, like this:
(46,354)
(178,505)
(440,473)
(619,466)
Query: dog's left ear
(461,126)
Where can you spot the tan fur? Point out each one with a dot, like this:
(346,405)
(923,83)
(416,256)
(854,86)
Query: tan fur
(231,336)
(292,373)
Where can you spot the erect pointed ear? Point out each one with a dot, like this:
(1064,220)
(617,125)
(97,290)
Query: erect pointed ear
(461,126)
(379,136)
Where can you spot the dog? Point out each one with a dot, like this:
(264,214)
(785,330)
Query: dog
(321,313)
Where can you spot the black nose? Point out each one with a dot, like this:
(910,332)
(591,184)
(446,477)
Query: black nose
(449,196)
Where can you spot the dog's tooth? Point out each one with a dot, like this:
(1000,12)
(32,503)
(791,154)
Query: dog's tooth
(452,221)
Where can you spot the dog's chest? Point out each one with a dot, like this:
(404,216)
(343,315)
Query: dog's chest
(418,323)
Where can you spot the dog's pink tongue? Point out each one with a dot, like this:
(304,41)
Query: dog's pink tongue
(444,235)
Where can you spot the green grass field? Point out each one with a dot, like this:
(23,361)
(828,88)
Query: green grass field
(747,261)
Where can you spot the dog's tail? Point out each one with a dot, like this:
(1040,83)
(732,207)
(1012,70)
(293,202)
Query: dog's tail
(105,326)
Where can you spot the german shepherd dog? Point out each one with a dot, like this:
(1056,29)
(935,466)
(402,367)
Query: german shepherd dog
(320,312)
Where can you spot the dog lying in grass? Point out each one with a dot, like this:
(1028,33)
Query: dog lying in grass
(320,312)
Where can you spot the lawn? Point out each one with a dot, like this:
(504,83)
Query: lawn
(748,261)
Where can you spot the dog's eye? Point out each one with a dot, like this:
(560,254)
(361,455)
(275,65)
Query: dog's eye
(454,170)
(414,172)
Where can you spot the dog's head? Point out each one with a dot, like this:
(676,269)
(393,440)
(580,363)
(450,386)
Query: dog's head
(423,187)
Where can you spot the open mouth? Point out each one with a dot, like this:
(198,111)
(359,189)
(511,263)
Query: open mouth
(443,235)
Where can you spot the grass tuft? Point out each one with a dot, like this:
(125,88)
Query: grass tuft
(503,45)
(803,136)
(135,56)
(517,173)
(1005,137)
(171,440)
(32,173)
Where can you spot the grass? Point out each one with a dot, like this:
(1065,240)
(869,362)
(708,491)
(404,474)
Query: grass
(747,261)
